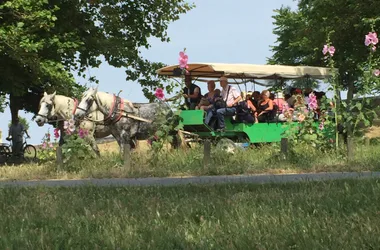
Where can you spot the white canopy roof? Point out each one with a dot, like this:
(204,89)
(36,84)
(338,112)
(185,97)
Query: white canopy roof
(249,71)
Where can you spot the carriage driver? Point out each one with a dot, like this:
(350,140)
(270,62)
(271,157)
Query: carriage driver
(16,134)
(191,93)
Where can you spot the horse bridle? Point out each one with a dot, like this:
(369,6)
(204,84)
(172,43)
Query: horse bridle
(50,107)
(89,104)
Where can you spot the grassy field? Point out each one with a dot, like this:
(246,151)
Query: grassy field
(319,215)
(266,159)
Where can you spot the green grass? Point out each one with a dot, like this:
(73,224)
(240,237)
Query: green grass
(314,215)
(179,163)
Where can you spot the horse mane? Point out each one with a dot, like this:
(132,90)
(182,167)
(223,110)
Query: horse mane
(109,98)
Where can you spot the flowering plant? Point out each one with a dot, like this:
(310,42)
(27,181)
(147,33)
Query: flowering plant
(308,123)
(350,113)
(167,125)
(76,147)
(47,149)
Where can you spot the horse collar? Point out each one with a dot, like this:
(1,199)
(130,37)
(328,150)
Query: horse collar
(116,110)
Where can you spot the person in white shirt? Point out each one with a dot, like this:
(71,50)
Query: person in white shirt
(232,97)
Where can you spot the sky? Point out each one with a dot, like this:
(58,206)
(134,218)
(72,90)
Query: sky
(219,31)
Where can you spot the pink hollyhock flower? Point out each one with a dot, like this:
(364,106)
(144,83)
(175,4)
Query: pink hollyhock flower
(65,124)
(374,48)
(312,102)
(159,94)
(328,49)
(376,72)
(44,145)
(371,38)
(56,133)
(72,128)
(325,49)
(82,133)
(183,58)
(332,50)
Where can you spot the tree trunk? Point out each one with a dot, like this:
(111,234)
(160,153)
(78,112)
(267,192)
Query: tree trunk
(14,106)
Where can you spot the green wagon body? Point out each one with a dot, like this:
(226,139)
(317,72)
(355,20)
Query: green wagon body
(193,121)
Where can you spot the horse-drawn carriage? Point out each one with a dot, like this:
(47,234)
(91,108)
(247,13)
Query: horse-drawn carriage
(241,74)
(103,113)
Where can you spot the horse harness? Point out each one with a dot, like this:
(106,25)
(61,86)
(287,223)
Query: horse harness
(117,111)
(57,120)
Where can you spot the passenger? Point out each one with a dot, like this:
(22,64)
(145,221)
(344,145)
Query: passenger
(265,110)
(231,97)
(292,99)
(279,102)
(307,92)
(256,98)
(245,111)
(282,106)
(271,96)
(208,99)
(287,96)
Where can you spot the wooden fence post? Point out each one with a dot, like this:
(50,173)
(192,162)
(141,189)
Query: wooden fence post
(284,146)
(206,153)
(127,156)
(59,158)
(341,141)
(367,141)
(350,148)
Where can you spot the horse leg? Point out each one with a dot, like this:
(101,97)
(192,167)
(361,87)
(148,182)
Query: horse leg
(91,136)
(62,133)
(119,140)
(93,144)
(125,139)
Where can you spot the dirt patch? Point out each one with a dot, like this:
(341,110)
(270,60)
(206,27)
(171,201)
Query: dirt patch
(372,132)
(113,147)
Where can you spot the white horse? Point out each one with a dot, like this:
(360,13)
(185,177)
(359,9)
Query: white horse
(126,121)
(59,108)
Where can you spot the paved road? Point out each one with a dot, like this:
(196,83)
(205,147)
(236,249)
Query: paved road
(258,179)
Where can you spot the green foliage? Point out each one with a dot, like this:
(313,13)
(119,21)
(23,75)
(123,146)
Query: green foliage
(76,150)
(23,121)
(167,124)
(309,128)
(47,150)
(342,23)
(302,33)
(39,47)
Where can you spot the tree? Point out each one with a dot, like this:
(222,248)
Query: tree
(301,35)
(39,48)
